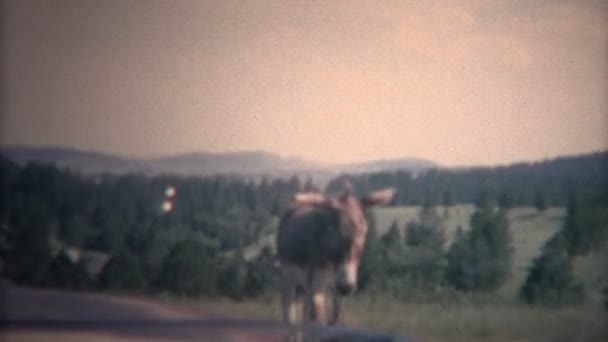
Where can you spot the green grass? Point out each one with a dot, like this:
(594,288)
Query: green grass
(473,322)
(529,227)
(592,269)
(490,317)
(468,319)
(530,230)
(457,215)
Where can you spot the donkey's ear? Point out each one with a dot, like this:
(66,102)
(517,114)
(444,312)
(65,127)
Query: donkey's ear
(378,197)
(310,198)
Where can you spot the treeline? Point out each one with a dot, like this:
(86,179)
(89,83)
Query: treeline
(541,184)
(550,279)
(192,249)
(414,263)
(197,247)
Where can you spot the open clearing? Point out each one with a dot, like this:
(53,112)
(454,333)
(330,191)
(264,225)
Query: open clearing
(494,317)
(530,230)
(529,227)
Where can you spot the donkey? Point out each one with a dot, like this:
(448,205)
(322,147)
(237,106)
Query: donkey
(320,241)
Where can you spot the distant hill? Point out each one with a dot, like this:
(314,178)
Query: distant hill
(409,164)
(203,163)
(256,162)
(76,160)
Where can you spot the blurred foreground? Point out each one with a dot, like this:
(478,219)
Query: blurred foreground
(46,315)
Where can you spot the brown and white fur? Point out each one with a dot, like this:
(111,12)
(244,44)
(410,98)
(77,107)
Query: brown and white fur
(319,244)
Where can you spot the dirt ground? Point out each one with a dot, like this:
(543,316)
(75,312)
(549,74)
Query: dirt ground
(50,315)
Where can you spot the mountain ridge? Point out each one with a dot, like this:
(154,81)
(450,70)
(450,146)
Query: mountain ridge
(254,162)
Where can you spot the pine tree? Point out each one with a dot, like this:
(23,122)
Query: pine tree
(550,279)
(428,230)
(425,257)
(506,201)
(391,240)
(191,268)
(65,273)
(371,266)
(122,272)
(485,200)
(481,259)
(540,202)
(233,276)
(392,250)
(261,274)
(586,225)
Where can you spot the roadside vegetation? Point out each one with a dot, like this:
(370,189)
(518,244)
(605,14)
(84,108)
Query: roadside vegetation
(508,253)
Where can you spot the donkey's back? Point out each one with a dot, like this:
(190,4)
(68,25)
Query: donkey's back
(309,236)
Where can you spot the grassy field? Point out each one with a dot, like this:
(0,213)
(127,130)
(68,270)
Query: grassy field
(529,227)
(471,319)
(456,215)
(592,269)
(468,321)
(495,317)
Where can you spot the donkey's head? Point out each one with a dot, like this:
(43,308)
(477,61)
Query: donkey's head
(352,225)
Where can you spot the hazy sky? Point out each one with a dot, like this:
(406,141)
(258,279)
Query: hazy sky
(457,82)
